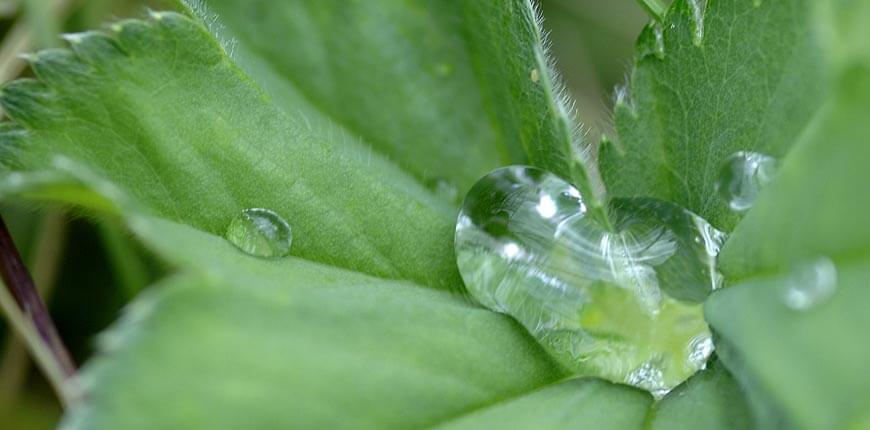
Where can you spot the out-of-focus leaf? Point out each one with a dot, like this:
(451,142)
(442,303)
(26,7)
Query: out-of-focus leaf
(794,329)
(709,400)
(747,76)
(579,403)
(803,369)
(351,354)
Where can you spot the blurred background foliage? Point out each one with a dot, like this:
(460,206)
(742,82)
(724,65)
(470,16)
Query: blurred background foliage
(87,269)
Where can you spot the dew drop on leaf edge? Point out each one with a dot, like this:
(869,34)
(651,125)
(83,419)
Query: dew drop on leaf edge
(261,233)
(743,176)
(624,305)
(810,284)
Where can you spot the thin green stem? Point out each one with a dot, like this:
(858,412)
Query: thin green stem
(655,8)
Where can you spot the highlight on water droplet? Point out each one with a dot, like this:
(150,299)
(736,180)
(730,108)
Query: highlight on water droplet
(700,350)
(623,304)
(649,377)
(659,33)
(260,232)
(699,8)
(742,178)
(811,284)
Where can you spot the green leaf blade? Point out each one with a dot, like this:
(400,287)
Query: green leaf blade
(332,355)
(473,75)
(574,403)
(709,400)
(805,366)
(140,108)
(752,84)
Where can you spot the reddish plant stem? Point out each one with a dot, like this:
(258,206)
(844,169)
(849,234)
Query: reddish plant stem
(20,285)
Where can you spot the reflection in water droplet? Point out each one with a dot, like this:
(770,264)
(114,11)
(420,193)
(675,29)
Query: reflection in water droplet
(811,284)
(743,177)
(650,377)
(260,232)
(604,302)
(443,189)
(699,351)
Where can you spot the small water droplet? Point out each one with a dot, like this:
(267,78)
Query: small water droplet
(811,283)
(698,8)
(659,34)
(742,178)
(260,232)
(603,301)
(443,189)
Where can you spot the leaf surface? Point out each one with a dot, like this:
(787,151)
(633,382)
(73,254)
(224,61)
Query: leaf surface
(708,82)
(578,403)
(448,90)
(709,400)
(804,362)
(359,353)
(140,107)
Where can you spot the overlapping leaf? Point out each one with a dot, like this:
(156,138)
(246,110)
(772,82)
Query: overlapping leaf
(806,368)
(708,82)
(352,354)
(448,91)
(158,110)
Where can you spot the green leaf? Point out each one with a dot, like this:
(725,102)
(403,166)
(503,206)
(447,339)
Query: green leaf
(360,353)
(802,369)
(805,366)
(709,400)
(747,76)
(449,91)
(815,206)
(141,107)
(578,403)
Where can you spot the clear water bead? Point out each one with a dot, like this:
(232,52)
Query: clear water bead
(621,303)
(811,283)
(743,177)
(260,232)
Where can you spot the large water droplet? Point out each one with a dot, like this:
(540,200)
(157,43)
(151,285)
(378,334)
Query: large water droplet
(260,232)
(622,304)
(742,178)
(811,283)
